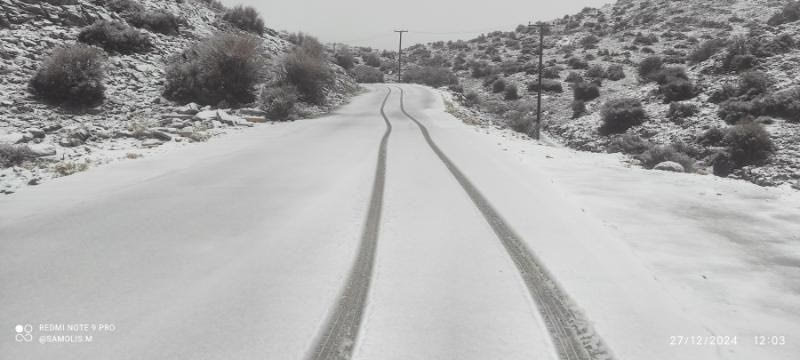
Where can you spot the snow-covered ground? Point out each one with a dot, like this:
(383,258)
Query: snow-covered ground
(237,249)
(722,255)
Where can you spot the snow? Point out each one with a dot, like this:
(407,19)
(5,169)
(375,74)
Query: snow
(689,254)
(238,248)
(444,287)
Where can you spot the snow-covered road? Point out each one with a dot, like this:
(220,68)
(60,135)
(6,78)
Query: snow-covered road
(264,243)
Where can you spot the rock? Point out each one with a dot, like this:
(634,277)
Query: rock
(156,134)
(229,119)
(70,142)
(43,149)
(255,119)
(669,166)
(206,115)
(149,143)
(14,138)
(189,109)
(36,132)
(251,112)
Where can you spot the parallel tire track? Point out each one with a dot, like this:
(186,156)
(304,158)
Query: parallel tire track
(571,334)
(337,339)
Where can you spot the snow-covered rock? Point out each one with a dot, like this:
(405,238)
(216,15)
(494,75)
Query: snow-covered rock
(669,166)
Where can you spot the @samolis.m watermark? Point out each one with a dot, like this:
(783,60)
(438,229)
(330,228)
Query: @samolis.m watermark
(70,333)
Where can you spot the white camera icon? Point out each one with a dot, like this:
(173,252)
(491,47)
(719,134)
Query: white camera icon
(24,333)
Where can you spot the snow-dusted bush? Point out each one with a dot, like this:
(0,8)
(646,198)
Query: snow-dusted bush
(430,75)
(574,77)
(551,72)
(160,21)
(223,67)
(547,85)
(115,36)
(658,154)
(706,50)
(789,13)
(278,101)
(13,155)
(578,108)
(510,92)
(367,74)
(649,66)
(615,72)
(619,115)
(585,91)
(305,67)
(498,86)
(678,111)
(345,59)
(596,71)
(71,75)
(749,144)
(245,18)
(577,63)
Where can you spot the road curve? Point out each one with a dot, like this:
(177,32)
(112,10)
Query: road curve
(340,333)
(562,322)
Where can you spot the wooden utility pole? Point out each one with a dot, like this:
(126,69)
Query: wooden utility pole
(400,54)
(538,126)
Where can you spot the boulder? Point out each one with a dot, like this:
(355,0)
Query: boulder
(669,166)
(36,132)
(13,138)
(149,143)
(206,115)
(229,119)
(42,149)
(188,109)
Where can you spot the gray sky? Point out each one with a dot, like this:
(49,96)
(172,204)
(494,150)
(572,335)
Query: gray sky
(370,23)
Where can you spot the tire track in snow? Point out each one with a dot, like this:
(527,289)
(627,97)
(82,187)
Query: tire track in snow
(571,334)
(339,335)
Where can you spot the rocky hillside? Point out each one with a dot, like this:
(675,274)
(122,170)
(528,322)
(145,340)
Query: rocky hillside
(134,117)
(725,70)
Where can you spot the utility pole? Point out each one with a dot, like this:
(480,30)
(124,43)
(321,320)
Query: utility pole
(537,128)
(400,54)
(334,48)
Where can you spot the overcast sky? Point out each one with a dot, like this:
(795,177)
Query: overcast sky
(370,23)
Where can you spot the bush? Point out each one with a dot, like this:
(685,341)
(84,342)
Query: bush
(551,72)
(498,86)
(547,85)
(160,21)
(596,71)
(749,144)
(649,66)
(577,63)
(372,59)
(225,67)
(521,118)
(619,115)
(115,36)
(278,101)
(753,83)
(733,110)
(669,74)
(72,76)
(431,76)
(789,13)
(585,91)
(677,89)
(124,7)
(510,93)
(658,154)
(306,68)
(711,137)
(628,144)
(643,39)
(13,155)
(472,98)
(245,18)
(368,74)
(578,108)
(706,50)
(589,42)
(345,60)
(615,72)
(679,111)
(783,104)
(574,77)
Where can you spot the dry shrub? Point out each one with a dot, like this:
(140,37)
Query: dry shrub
(72,75)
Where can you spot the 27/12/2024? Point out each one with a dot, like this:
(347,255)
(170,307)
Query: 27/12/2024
(760,340)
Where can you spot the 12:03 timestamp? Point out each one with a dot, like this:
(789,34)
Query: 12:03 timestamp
(775,340)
